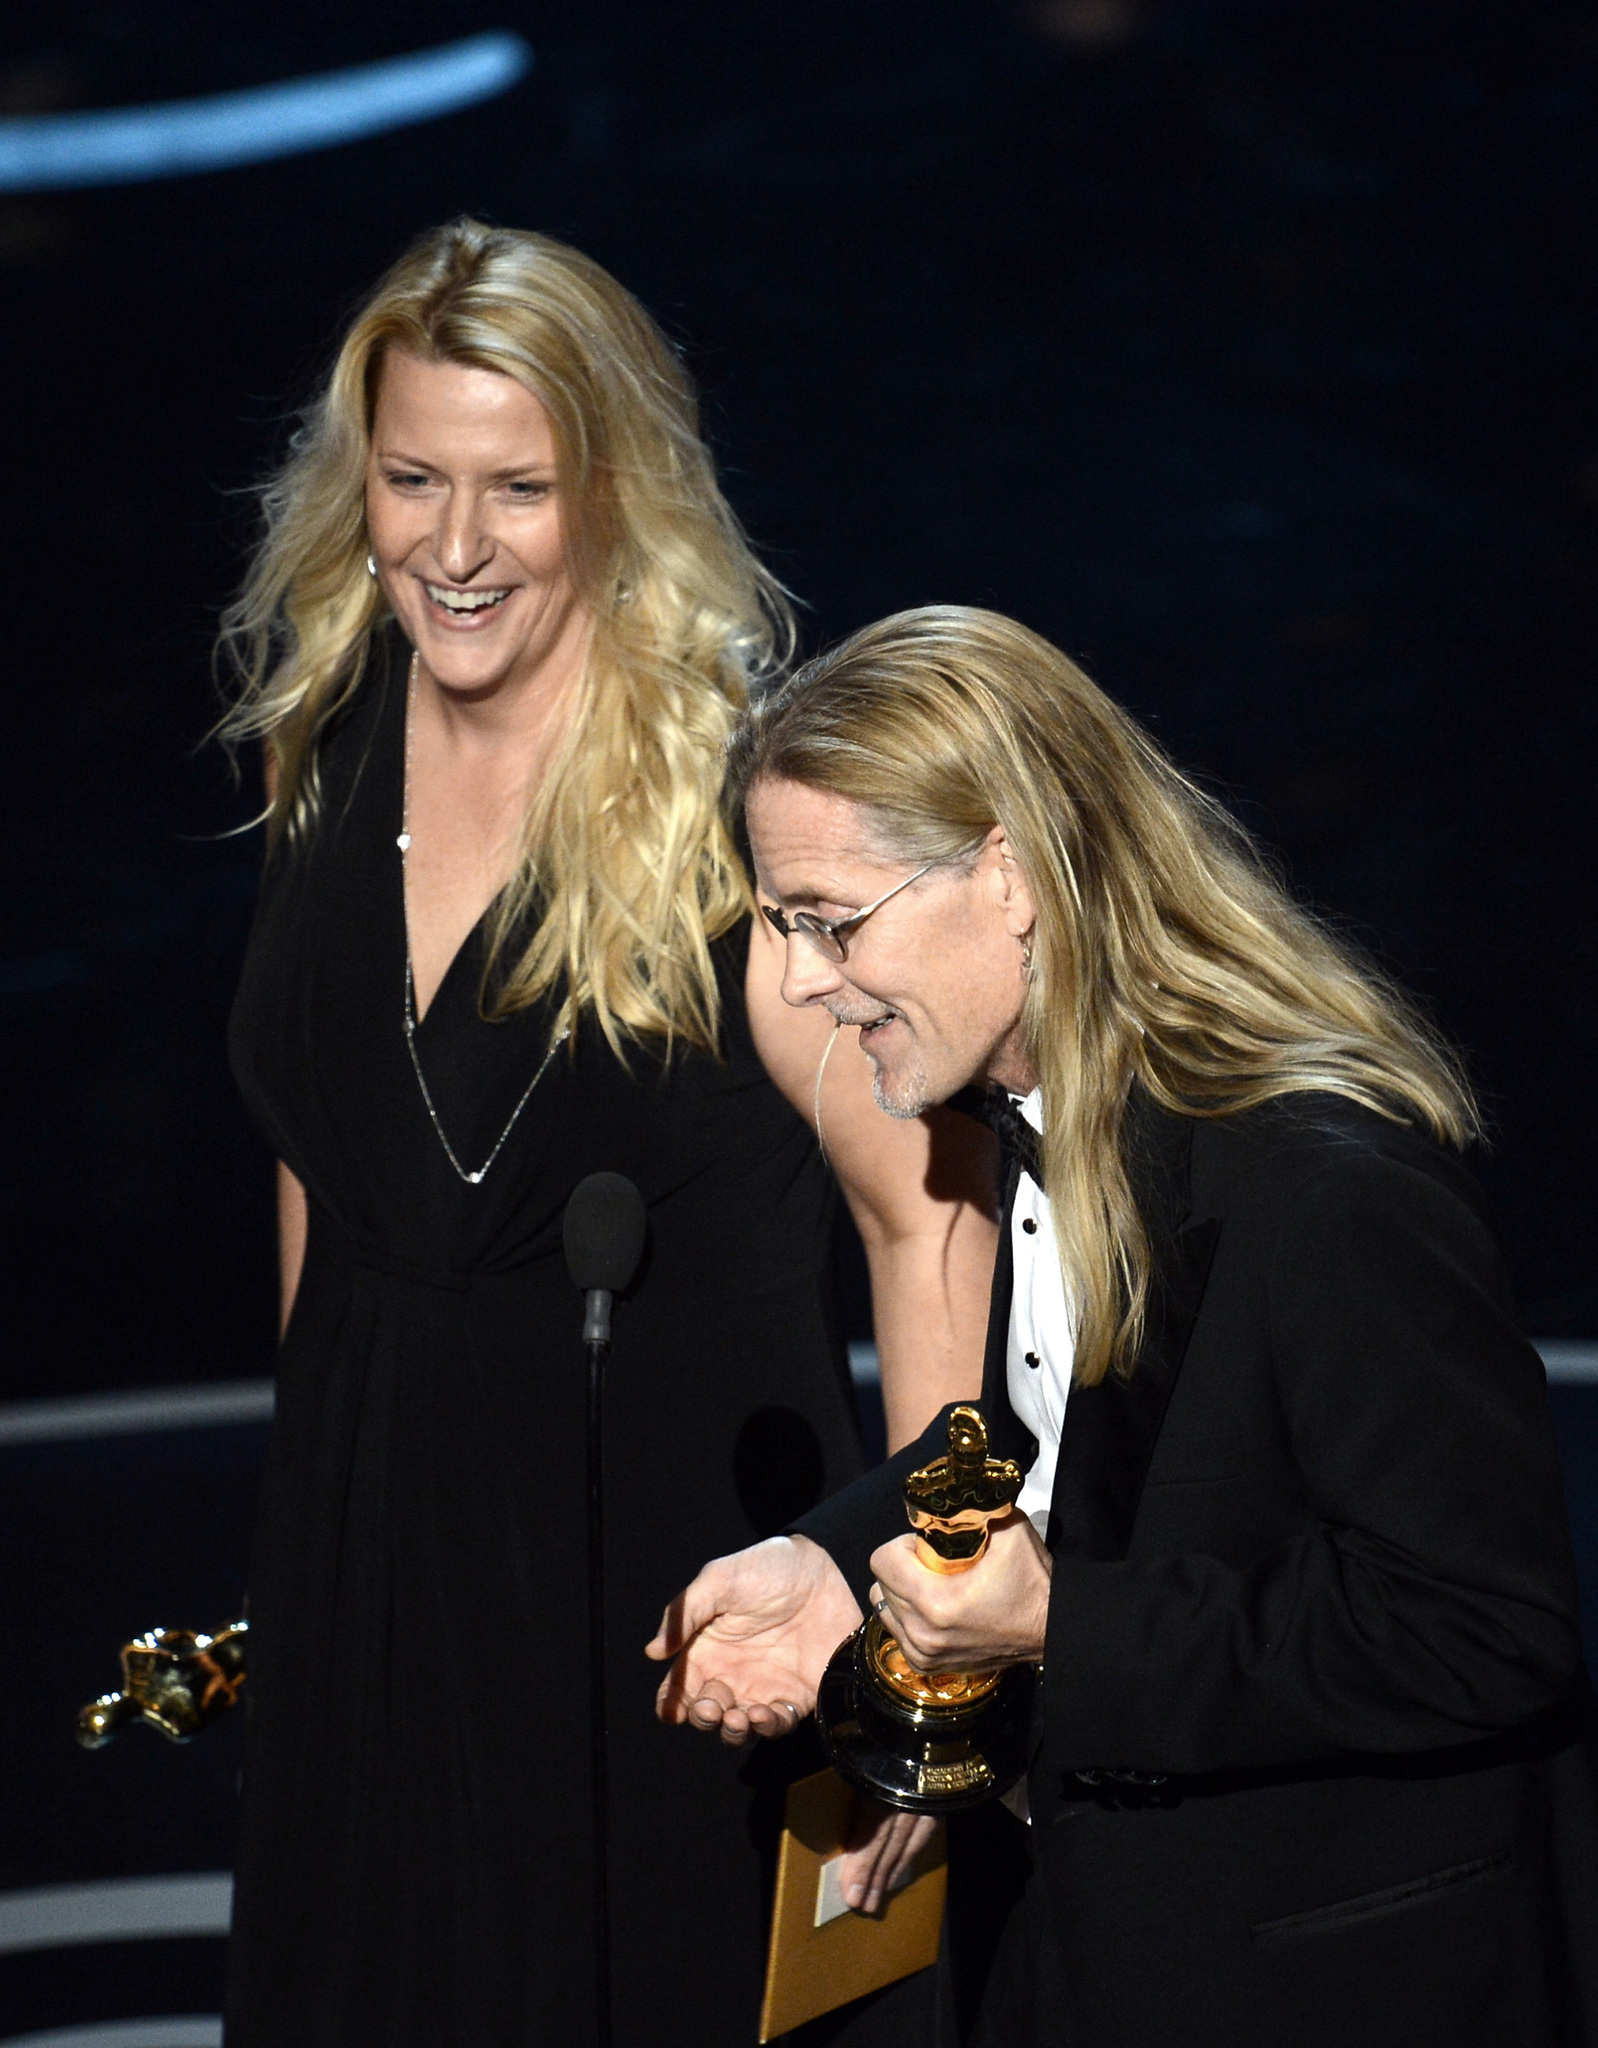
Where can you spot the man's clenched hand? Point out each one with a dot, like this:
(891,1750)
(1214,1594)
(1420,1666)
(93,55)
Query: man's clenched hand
(994,1614)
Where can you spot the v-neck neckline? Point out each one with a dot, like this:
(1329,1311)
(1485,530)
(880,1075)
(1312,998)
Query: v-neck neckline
(467,944)
(401,669)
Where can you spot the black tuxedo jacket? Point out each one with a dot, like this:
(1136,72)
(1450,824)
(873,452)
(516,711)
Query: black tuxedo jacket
(1313,1758)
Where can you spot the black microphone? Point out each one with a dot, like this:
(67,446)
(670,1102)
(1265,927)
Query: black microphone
(604,1236)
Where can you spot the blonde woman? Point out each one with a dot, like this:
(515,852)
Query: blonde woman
(1313,1759)
(495,637)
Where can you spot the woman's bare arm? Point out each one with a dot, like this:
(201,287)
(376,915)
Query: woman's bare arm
(291,1225)
(291,1215)
(923,1195)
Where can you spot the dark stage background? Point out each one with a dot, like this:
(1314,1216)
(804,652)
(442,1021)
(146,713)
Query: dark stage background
(1243,347)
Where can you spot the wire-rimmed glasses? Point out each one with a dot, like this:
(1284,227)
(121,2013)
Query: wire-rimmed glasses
(830,935)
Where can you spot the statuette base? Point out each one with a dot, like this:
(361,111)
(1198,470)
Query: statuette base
(938,1757)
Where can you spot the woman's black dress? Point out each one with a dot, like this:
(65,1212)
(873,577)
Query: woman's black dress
(415,1866)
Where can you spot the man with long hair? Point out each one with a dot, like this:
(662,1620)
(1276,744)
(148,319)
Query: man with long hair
(1313,1759)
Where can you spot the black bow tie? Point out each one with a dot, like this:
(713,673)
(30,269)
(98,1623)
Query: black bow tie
(1017,1139)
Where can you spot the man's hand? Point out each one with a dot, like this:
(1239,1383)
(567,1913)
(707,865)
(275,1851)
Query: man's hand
(995,1613)
(881,1850)
(750,1638)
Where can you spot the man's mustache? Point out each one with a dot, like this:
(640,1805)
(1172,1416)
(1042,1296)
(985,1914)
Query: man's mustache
(841,1015)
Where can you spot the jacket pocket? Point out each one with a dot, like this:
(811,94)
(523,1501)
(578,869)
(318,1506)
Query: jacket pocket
(1374,1905)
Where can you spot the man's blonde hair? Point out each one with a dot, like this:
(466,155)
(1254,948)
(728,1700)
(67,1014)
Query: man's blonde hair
(1166,953)
(626,871)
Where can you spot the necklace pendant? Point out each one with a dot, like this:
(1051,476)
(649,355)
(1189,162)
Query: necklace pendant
(403,842)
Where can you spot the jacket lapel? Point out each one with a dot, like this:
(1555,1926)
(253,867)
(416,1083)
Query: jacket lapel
(1110,1430)
(1007,1437)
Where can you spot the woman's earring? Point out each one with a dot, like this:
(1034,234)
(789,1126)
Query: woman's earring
(371,565)
(1026,956)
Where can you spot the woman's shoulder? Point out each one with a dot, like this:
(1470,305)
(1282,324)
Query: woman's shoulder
(729,954)
(351,755)
(729,950)
(352,735)
(683,1055)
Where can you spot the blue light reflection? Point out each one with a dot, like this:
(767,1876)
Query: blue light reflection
(123,145)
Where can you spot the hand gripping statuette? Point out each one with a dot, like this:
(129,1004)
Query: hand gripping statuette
(933,1741)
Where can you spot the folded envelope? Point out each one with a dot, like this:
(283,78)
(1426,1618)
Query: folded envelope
(823,1955)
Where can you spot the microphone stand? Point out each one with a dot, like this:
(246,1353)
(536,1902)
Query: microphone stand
(596,1342)
(603,1229)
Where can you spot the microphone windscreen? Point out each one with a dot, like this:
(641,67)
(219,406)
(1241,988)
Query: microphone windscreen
(604,1232)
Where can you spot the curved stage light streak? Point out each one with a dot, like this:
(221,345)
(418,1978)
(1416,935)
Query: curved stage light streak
(116,1909)
(182,2030)
(177,138)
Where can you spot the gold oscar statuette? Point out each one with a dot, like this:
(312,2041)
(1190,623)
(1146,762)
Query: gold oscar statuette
(933,1741)
(174,1680)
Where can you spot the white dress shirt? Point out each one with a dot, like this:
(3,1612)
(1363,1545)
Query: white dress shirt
(1042,1340)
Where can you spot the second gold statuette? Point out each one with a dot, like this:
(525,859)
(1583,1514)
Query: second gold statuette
(174,1680)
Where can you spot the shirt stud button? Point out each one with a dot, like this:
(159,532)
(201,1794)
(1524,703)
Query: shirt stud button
(1029,1225)
(1033,1359)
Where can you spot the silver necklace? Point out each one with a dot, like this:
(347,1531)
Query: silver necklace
(472,1178)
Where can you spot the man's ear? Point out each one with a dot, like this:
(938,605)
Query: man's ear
(1013,896)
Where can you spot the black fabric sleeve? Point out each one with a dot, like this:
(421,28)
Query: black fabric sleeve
(1432,1603)
(861,1517)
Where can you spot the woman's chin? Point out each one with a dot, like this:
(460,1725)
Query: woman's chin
(466,668)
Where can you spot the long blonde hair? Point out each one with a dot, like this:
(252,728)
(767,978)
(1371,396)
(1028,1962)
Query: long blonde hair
(626,870)
(1165,952)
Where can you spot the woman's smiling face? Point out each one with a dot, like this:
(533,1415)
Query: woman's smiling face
(465,519)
